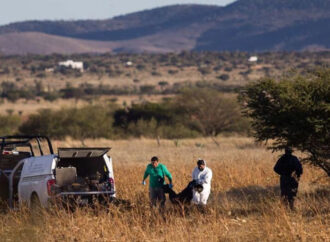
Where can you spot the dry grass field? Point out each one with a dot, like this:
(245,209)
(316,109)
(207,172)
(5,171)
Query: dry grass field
(244,204)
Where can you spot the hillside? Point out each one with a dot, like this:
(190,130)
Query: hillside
(40,43)
(245,25)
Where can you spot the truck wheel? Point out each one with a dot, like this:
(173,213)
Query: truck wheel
(35,202)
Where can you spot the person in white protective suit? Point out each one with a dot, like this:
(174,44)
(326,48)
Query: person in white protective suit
(202,175)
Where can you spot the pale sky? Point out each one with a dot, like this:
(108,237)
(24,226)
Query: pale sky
(21,10)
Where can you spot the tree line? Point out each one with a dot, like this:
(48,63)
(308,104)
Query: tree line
(13,92)
(185,116)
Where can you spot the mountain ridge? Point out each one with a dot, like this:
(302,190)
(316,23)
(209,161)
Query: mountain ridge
(245,25)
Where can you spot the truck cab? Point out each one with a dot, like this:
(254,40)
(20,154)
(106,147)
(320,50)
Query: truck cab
(31,173)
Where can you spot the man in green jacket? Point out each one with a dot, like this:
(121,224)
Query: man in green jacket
(157,173)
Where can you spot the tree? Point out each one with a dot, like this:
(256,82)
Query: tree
(208,110)
(293,112)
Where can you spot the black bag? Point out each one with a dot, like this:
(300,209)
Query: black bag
(161,179)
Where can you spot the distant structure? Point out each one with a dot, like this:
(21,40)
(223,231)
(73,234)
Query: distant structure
(128,63)
(49,70)
(253,59)
(79,65)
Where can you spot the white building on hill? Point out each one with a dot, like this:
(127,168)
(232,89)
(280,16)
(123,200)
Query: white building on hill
(253,59)
(128,63)
(73,64)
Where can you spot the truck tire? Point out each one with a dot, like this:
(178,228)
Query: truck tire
(35,202)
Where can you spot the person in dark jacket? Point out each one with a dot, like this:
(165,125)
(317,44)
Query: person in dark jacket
(289,168)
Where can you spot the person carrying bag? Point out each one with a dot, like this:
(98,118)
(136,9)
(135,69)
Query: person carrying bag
(157,173)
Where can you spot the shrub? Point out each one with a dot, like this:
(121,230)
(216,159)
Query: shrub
(147,89)
(163,83)
(89,121)
(223,77)
(147,128)
(293,112)
(155,73)
(140,67)
(205,70)
(9,124)
(172,72)
(50,96)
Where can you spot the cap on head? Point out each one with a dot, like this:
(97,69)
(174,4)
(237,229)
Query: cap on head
(154,158)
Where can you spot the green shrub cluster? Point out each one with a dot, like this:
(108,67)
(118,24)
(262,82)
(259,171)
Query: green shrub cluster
(194,112)
(86,122)
(9,124)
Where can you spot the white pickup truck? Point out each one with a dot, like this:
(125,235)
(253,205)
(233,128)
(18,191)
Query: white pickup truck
(31,173)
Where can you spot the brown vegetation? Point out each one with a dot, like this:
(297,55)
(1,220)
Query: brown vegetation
(150,77)
(244,204)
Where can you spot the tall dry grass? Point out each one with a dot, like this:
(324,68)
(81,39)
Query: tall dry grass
(244,204)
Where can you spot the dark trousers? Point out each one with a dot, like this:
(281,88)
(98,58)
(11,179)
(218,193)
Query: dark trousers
(289,188)
(157,195)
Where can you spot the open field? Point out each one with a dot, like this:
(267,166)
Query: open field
(243,206)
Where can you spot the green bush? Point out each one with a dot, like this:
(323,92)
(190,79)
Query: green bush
(223,77)
(153,129)
(177,131)
(86,122)
(9,124)
(146,128)
(147,89)
(50,96)
(172,72)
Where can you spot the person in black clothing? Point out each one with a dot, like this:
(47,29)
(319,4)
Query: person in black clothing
(289,168)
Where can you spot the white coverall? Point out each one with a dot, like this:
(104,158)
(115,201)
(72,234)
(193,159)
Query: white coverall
(204,178)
